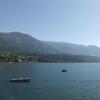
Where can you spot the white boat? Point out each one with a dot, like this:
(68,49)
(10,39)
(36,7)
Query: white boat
(20,79)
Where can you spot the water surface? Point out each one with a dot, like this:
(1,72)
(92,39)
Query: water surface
(48,82)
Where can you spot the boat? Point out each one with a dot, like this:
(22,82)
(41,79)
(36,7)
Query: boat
(64,70)
(20,79)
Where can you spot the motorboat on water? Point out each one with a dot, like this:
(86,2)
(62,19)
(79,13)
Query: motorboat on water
(64,70)
(20,79)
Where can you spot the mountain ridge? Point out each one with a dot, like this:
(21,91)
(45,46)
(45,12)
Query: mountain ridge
(71,48)
(17,42)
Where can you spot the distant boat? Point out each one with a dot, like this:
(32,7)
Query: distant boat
(20,79)
(64,70)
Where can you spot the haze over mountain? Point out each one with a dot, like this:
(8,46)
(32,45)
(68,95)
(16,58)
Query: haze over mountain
(16,42)
(69,48)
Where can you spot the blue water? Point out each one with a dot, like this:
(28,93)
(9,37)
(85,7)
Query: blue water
(48,82)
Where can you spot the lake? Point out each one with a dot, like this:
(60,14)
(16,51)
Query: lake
(48,82)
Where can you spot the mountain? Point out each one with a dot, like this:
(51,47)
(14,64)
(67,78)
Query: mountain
(16,42)
(69,48)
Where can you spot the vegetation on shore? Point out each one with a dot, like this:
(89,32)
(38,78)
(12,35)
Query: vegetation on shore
(47,58)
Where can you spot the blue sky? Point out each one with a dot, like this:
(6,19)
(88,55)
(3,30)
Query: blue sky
(75,21)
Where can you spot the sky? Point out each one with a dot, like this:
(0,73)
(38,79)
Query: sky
(74,21)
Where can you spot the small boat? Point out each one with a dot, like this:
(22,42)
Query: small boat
(64,70)
(20,79)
